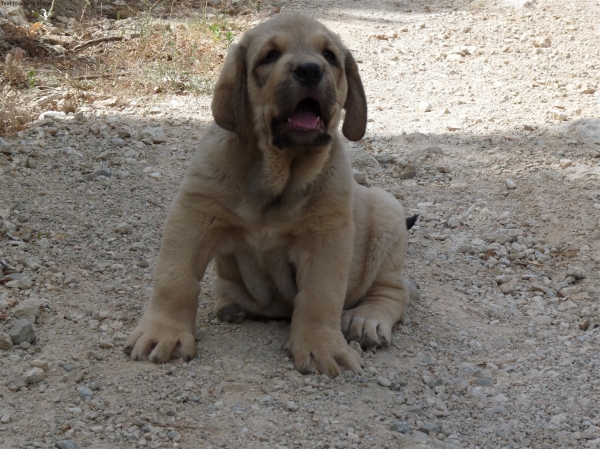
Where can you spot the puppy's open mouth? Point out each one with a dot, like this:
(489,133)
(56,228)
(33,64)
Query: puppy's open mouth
(306,116)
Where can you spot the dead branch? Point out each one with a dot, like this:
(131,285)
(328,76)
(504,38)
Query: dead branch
(97,41)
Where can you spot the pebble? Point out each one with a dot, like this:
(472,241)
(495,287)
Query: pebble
(85,393)
(510,184)
(291,406)
(429,428)
(21,331)
(384,381)
(152,135)
(5,341)
(425,106)
(34,375)
(400,426)
(67,444)
(29,309)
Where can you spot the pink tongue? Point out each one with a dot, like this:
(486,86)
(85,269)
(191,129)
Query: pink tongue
(304,119)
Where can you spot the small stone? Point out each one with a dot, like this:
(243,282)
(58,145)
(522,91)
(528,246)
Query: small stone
(476,392)
(34,375)
(153,135)
(5,341)
(106,103)
(85,393)
(155,175)
(173,434)
(542,42)
(75,376)
(400,426)
(53,115)
(384,381)
(356,346)
(425,106)
(42,364)
(414,289)
(25,283)
(22,330)
(291,406)
(576,272)
(565,163)
(359,176)
(429,428)
(508,288)
(510,184)
(67,444)
(123,228)
(405,170)
(543,320)
(29,309)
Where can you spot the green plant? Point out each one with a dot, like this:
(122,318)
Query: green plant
(46,15)
(31,79)
(215,28)
(229,37)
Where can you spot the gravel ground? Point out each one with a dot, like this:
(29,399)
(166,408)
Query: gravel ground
(481,120)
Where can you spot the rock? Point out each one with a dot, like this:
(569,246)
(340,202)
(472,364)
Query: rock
(476,392)
(510,184)
(405,171)
(414,289)
(153,135)
(576,272)
(102,171)
(508,288)
(40,364)
(21,331)
(565,163)
(123,228)
(425,106)
(542,42)
(67,444)
(429,428)
(291,406)
(155,175)
(85,393)
(400,426)
(52,115)
(108,102)
(361,160)
(5,147)
(5,341)
(34,375)
(543,320)
(384,381)
(29,309)
(586,130)
(75,376)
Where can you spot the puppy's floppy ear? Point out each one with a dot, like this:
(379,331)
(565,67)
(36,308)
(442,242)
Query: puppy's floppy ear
(230,100)
(355,123)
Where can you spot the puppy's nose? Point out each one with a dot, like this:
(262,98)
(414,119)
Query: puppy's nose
(308,74)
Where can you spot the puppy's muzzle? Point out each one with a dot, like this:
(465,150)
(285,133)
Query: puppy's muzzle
(308,74)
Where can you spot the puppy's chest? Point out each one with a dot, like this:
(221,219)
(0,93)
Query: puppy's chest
(266,238)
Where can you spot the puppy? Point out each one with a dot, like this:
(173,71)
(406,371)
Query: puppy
(271,199)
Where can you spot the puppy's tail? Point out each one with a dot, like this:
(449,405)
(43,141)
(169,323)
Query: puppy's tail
(410,221)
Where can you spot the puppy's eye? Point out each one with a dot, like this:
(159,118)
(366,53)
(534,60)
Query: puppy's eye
(272,56)
(329,56)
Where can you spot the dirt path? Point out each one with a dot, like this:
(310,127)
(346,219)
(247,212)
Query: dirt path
(481,120)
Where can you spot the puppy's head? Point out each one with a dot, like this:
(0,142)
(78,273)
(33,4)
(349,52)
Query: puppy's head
(286,83)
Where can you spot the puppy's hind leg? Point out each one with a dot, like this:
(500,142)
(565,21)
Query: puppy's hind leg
(371,322)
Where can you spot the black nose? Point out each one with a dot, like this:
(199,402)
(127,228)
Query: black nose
(308,74)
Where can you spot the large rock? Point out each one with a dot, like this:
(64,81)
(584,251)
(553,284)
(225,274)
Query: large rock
(29,309)
(21,331)
(5,341)
(360,159)
(586,130)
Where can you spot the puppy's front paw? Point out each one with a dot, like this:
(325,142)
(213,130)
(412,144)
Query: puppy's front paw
(158,339)
(366,327)
(324,351)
